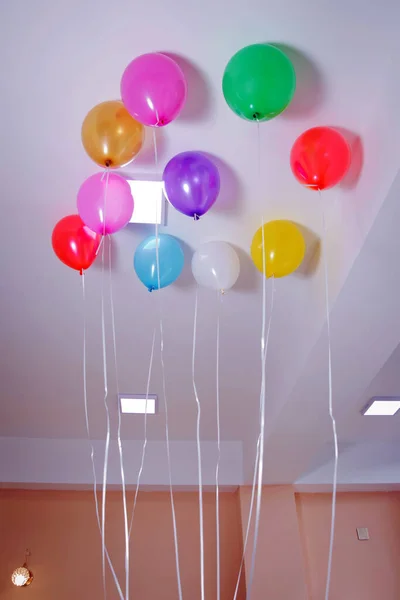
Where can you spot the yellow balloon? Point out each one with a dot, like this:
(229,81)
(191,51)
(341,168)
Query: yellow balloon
(284,248)
(110,136)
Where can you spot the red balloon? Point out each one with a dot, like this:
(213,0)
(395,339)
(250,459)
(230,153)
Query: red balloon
(74,243)
(320,158)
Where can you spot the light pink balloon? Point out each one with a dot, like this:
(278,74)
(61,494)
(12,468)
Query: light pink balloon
(105,202)
(153,89)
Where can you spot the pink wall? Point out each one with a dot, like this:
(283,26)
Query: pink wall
(61,531)
(279,570)
(367,570)
(294,538)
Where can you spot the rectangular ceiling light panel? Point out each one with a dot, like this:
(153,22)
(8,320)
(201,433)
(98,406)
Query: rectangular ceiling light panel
(382,407)
(148,197)
(136,404)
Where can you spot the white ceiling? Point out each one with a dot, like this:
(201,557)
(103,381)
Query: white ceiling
(62,58)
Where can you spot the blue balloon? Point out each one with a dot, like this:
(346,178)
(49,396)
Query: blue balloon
(170,260)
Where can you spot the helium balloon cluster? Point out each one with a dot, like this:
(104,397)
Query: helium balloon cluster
(258,84)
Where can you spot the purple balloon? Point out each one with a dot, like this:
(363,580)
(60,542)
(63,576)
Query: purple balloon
(191,183)
(105,202)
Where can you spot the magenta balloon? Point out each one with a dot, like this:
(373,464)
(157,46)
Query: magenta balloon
(191,183)
(105,202)
(153,89)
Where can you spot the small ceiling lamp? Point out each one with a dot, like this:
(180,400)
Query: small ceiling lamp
(22,577)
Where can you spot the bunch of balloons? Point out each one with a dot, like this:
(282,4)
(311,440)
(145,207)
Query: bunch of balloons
(319,160)
(153,91)
(258,84)
(215,265)
(112,138)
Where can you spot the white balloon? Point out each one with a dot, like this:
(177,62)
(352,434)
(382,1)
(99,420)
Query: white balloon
(216,265)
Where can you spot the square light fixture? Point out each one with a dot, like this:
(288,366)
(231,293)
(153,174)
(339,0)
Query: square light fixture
(136,404)
(382,406)
(149,202)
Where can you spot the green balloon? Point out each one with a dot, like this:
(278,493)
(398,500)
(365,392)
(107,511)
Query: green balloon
(259,82)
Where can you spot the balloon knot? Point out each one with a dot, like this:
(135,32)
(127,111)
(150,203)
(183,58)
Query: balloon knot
(107,163)
(196,217)
(81,272)
(151,289)
(256,116)
(222,292)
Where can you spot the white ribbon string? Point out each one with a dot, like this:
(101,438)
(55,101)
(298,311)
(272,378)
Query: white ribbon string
(253,489)
(145,431)
(101,243)
(121,457)
(263,351)
(90,441)
(219,299)
(150,369)
(334,431)
(178,573)
(107,444)
(258,463)
(198,449)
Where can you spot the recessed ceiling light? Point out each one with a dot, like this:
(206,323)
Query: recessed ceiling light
(382,406)
(136,404)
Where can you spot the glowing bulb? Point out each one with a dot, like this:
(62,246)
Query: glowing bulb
(21,577)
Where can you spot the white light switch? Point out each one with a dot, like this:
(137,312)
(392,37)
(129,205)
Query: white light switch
(362,533)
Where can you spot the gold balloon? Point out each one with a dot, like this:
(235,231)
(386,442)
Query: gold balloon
(110,136)
(284,248)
